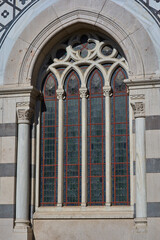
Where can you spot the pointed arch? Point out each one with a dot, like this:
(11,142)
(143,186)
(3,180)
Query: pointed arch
(96,139)
(72,140)
(120,139)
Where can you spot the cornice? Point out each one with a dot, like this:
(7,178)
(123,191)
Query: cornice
(142,82)
(12,91)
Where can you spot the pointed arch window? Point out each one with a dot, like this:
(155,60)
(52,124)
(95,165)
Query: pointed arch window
(85,125)
(96,140)
(72,141)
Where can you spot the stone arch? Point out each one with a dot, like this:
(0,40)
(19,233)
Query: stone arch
(62,19)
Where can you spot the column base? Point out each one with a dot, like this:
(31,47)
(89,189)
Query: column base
(140,225)
(23,233)
(21,223)
(83,204)
(107,204)
(59,204)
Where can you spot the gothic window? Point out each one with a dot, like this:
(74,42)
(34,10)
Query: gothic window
(85,125)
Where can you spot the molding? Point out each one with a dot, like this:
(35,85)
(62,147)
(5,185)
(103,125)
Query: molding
(141,82)
(124,212)
(137,97)
(12,90)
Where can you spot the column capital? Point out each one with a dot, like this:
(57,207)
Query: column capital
(60,94)
(83,92)
(107,91)
(138,105)
(25,112)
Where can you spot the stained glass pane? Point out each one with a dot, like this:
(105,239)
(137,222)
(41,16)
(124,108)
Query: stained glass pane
(72,141)
(107,50)
(120,140)
(96,140)
(50,86)
(83,45)
(49,144)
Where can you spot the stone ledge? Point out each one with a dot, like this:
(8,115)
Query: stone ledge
(84,213)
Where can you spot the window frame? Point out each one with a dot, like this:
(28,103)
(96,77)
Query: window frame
(84,211)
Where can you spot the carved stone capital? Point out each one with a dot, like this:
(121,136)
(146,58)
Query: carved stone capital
(138,105)
(60,94)
(107,91)
(25,112)
(83,93)
(139,109)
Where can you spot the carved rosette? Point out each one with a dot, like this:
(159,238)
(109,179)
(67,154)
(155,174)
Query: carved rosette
(83,93)
(25,112)
(60,94)
(138,105)
(107,91)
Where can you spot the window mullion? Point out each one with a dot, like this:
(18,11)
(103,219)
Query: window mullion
(60,97)
(83,95)
(107,92)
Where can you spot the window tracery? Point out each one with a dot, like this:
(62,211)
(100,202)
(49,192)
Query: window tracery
(86,67)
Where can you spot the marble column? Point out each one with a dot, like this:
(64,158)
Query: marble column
(141,199)
(107,94)
(84,95)
(60,97)
(24,114)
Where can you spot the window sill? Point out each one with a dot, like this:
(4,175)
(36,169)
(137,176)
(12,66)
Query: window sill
(84,212)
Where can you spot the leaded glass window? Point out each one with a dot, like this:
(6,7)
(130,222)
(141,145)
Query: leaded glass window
(96,140)
(120,139)
(72,141)
(49,127)
(74,117)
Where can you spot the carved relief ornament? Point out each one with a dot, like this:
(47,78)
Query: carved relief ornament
(138,105)
(107,91)
(83,93)
(60,94)
(25,112)
(139,109)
